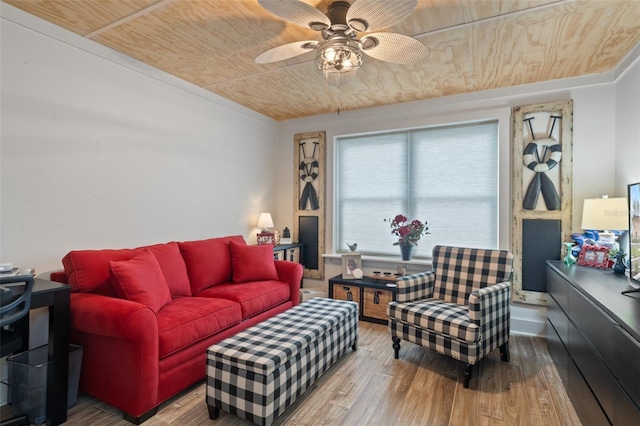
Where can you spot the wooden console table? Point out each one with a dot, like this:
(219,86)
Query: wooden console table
(372,296)
(593,337)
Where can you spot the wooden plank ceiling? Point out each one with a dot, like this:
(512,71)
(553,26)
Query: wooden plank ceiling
(475,46)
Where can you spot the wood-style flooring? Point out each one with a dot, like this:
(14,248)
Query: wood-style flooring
(369,387)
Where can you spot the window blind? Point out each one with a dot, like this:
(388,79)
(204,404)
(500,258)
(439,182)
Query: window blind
(446,175)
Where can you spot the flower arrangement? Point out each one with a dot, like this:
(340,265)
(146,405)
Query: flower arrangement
(408,233)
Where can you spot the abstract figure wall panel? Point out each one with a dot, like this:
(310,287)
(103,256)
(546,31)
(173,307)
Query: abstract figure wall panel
(309,200)
(542,192)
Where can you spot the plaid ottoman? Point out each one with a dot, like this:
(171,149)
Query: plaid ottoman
(259,372)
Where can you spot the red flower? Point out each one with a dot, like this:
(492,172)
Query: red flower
(400,219)
(409,233)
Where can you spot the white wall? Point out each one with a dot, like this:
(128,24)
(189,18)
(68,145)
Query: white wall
(98,150)
(628,128)
(594,154)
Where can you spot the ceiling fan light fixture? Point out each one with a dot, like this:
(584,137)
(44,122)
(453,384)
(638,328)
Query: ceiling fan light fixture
(339,56)
(358,24)
(318,26)
(336,79)
(369,42)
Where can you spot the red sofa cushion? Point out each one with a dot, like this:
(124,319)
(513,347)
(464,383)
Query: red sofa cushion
(88,270)
(187,320)
(173,268)
(253,297)
(208,261)
(140,279)
(252,263)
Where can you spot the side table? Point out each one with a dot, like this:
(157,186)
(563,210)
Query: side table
(371,295)
(291,252)
(56,297)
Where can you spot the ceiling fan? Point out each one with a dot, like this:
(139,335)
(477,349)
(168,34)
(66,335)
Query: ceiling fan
(339,55)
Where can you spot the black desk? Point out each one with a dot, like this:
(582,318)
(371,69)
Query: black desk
(56,297)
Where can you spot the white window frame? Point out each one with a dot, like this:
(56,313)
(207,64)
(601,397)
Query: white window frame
(431,240)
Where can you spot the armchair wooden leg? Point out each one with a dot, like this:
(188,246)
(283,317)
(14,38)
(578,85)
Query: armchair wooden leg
(504,352)
(396,346)
(214,412)
(466,373)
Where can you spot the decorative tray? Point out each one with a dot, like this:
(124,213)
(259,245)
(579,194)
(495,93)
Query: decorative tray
(392,277)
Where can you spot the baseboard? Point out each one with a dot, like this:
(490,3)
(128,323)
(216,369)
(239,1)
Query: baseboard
(528,327)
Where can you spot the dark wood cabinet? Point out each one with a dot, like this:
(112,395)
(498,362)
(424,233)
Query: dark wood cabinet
(371,295)
(291,252)
(593,336)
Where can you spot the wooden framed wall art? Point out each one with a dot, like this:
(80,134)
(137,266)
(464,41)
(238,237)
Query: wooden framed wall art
(542,193)
(309,200)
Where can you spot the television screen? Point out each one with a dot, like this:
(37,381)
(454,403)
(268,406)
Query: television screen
(634,233)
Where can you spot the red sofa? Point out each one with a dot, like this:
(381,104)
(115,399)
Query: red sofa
(146,316)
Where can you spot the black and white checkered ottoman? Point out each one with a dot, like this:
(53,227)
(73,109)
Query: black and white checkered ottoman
(259,372)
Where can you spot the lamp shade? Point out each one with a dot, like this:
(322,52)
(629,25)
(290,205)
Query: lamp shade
(605,214)
(265,221)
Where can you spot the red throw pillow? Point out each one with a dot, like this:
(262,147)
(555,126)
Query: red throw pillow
(173,268)
(88,270)
(252,263)
(140,279)
(208,261)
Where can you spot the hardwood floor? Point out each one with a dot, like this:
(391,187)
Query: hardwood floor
(369,387)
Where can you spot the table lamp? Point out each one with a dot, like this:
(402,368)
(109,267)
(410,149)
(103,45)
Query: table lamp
(605,214)
(265,222)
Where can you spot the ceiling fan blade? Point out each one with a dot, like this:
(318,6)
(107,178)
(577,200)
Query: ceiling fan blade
(394,47)
(374,15)
(297,12)
(286,51)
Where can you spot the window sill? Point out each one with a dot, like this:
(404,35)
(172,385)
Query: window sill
(382,260)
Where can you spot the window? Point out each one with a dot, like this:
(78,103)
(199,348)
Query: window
(446,175)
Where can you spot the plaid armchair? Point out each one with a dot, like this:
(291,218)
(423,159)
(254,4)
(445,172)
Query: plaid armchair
(460,309)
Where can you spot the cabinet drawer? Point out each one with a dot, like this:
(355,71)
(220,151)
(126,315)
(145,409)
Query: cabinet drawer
(596,325)
(375,303)
(346,292)
(626,413)
(557,318)
(293,255)
(592,368)
(558,288)
(626,363)
(558,353)
(583,399)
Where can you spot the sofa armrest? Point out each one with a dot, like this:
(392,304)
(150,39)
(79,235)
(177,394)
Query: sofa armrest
(415,287)
(291,273)
(59,276)
(489,304)
(111,317)
(121,350)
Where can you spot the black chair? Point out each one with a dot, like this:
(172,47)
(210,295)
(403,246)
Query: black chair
(15,301)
